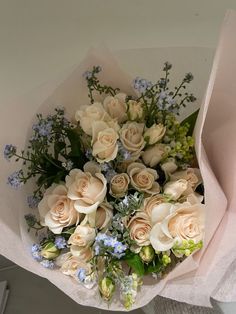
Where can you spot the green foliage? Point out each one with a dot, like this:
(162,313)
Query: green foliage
(190,121)
(135,262)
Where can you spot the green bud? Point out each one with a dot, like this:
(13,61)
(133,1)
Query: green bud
(107,288)
(147,254)
(50,251)
(128,301)
(166,260)
(187,252)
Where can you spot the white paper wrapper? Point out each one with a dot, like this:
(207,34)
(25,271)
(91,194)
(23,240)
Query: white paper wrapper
(199,276)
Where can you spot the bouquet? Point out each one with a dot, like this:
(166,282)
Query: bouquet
(119,195)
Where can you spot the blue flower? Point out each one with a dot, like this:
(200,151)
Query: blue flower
(170,100)
(33,201)
(36,248)
(105,167)
(89,154)
(124,153)
(9,151)
(110,242)
(81,274)
(141,84)
(47,264)
(162,95)
(37,256)
(110,174)
(96,249)
(36,252)
(162,82)
(60,242)
(15,179)
(101,237)
(87,75)
(43,128)
(120,248)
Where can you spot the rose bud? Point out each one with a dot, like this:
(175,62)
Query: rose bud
(50,251)
(107,288)
(147,253)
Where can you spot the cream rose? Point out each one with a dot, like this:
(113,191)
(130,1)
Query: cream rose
(191,175)
(187,222)
(83,236)
(56,210)
(116,106)
(154,154)
(192,198)
(175,223)
(71,265)
(101,218)
(90,113)
(104,215)
(139,228)
(82,253)
(175,188)
(143,179)
(154,134)
(151,202)
(86,190)
(131,136)
(135,110)
(119,185)
(104,142)
(169,167)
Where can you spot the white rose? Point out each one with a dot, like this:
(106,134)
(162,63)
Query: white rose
(143,179)
(119,185)
(87,190)
(169,167)
(104,215)
(193,198)
(131,136)
(151,202)
(104,142)
(187,222)
(191,175)
(175,223)
(90,113)
(83,236)
(154,154)
(82,253)
(135,110)
(175,188)
(154,134)
(139,227)
(101,218)
(56,210)
(71,265)
(116,106)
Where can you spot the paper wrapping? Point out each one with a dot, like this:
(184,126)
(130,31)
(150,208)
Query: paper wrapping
(200,276)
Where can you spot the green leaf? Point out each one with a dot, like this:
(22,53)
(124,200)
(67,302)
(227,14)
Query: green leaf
(135,262)
(58,147)
(154,267)
(69,231)
(74,139)
(191,120)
